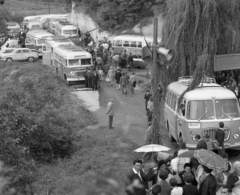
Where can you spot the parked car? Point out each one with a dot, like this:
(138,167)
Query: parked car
(138,62)
(6,50)
(19,54)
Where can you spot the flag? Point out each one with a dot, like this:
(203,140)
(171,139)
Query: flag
(146,51)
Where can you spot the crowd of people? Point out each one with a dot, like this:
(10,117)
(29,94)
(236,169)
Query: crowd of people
(173,175)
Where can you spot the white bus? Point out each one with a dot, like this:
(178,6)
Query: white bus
(51,44)
(202,110)
(36,39)
(130,43)
(70,62)
(35,25)
(67,30)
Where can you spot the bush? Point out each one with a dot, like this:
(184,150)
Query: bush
(36,124)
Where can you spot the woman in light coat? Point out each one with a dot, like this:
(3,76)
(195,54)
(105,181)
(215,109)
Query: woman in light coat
(111,75)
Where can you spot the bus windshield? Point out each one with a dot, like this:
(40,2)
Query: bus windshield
(70,32)
(204,109)
(200,110)
(86,61)
(226,108)
(73,62)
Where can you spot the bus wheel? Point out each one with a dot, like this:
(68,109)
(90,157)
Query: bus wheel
(169,134)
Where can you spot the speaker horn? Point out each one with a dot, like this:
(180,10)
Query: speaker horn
(167,53)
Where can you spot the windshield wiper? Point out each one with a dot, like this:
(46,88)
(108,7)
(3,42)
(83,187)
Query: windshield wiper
(202,116)
(226,115)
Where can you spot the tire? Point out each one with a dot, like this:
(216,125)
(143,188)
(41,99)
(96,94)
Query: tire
(30,59)
(169,134)
(9,60)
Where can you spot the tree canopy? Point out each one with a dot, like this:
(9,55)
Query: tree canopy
(202,29)
(114,12)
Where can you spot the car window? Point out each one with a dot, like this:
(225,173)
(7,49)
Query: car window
(25,51)
(19,51)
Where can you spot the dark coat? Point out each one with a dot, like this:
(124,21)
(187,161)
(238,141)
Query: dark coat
(131,176)
(219,136)
(232,179)
(201,145)
(118,76)
(95,78)
(208,186)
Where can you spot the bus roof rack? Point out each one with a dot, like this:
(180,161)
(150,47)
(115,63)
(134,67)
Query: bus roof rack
(71,47)
(187,80)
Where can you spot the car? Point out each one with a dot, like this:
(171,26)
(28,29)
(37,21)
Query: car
(6,50)
(19,54)
(138,62)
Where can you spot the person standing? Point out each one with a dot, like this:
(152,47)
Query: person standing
(165,186)
(124,59)
(110,112)
(130,61)
(111,75)
(201,143)
(105,57)
(219,136)
(99,62)
(95,80)
(209,185)
(117,78)
(86,77)
(136,175)
(147,98)
(116,60)
(133,81)
(189,188)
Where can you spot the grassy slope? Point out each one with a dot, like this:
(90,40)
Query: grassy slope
(98,151)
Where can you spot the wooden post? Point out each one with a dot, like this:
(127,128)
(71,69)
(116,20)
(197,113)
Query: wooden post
(156,138)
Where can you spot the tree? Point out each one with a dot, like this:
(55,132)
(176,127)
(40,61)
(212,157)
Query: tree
(202,29)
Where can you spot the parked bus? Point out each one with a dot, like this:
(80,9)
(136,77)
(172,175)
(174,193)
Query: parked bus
(51,44)
(70,62)
(67,30)
(202,109)
(34,25)
(130,43)
(36,39)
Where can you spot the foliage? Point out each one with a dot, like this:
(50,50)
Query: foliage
(36,121)
(118,14)
(201,29)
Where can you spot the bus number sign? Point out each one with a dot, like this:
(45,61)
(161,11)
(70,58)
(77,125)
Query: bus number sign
(194,125)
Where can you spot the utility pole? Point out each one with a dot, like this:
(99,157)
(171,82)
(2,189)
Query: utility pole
(156,137)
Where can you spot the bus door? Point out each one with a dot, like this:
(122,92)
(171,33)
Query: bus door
(181,122)
(46,55)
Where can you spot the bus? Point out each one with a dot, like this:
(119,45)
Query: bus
(51,44)
(34,25)
(70,62)
(36,39)
(202,109)
(67,30)
(130,43)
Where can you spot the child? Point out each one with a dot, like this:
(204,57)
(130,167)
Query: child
(101,74)
(189,189)
(176,190)
(209,142)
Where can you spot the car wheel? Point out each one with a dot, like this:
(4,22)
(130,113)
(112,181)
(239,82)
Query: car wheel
(9,60)
(30,59)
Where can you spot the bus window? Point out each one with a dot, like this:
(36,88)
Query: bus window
(169,99)
(118,43)
(174,101)
(69,32)
(226,109)
(126,44)
(139,44)
(73,62)
(86,61)
(133,44)
(200,110)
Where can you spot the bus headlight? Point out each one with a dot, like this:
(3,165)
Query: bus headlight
(236,136)
(71,74)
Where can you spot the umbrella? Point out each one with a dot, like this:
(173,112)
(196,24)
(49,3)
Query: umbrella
(207,158)
(152,148)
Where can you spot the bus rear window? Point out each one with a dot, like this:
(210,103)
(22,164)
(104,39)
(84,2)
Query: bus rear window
(200,110)
(86,61)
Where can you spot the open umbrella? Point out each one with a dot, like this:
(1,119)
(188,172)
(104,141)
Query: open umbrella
(152,148)
(207,158)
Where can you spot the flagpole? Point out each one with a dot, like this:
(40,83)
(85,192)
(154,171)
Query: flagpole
(155,84)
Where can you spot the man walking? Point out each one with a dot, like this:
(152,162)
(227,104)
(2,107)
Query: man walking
(110,112)
(133,81)
(130,61)
(219,136)
(124,59)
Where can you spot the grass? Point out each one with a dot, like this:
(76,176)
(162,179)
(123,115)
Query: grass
(100,153)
